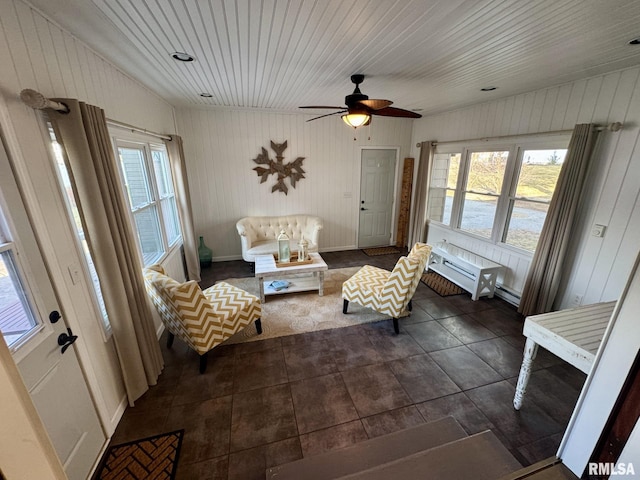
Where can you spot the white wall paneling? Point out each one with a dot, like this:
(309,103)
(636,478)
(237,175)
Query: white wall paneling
(597,267)
(36,53)
(220,145)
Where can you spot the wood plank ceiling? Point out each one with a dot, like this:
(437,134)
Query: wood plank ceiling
(424,55)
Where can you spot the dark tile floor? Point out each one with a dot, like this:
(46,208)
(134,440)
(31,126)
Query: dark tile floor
(269,402)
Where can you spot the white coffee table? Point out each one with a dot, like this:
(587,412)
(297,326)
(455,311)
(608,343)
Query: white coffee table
(302,278)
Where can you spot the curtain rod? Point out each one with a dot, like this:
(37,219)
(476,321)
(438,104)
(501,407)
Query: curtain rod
(613,127)
(38,101)
(126,126)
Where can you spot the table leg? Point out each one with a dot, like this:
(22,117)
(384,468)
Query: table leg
(261,283)
(530,351)
(320,284)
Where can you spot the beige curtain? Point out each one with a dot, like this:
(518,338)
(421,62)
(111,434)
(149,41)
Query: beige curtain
(96,182)
(545,272)
(419,221)
(183,197)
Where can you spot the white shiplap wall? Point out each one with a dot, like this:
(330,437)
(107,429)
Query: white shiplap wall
(597,267)
(220,145)
(36,53)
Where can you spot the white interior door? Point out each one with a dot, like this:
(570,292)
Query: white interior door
(377,181)
(53,377)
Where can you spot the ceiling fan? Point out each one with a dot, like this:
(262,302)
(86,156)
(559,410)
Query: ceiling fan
(359,108)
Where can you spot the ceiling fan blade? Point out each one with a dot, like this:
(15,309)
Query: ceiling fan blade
(322,106)
(396,112)
(375,103)
(327,115)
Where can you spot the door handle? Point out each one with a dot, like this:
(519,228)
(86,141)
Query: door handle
(362,208)
(66,340)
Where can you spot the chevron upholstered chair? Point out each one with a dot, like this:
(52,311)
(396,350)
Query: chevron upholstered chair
(203,319)
(388,292)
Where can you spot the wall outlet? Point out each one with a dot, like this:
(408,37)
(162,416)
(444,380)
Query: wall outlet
(577,299)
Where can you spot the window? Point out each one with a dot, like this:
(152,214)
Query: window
(17,320)
(74,214)
(501,194)
(529,200)
(443,186)
(149,186)
(485,174)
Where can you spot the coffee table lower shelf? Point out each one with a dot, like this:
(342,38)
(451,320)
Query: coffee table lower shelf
(297,284)
(302,278)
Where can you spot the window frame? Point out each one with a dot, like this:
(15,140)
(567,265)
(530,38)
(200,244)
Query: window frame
(89,272)
(516,149)
(147,146)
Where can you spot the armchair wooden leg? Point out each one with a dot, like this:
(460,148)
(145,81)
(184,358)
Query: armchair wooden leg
(396,328)
(258,326)
(410,305)
(203,362)
(345,305)
(170,338)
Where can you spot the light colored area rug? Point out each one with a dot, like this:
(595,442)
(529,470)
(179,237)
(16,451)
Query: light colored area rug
(291,313)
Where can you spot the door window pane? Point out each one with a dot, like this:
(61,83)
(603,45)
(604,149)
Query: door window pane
(16,316)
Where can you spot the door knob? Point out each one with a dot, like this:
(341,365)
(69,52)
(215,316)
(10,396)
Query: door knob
(65,340)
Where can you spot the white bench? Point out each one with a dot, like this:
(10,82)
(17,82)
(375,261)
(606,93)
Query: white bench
(574,335)
(476,274)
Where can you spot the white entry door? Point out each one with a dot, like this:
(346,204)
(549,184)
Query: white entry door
(377,181)
(52,376)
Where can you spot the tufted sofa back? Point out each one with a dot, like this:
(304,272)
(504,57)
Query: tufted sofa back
(268,228)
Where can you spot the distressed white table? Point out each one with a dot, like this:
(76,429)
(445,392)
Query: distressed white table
(574,335)
(301,277)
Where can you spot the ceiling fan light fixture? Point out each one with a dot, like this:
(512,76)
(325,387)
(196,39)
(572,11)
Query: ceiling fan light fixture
(356,119)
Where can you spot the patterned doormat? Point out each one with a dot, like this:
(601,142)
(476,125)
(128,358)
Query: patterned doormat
(440,285)
(154,457)
(374,252)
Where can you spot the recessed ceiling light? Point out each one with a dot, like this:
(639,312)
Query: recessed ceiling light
(183,57)
(488,89)
(635,41)
(206,95)
(417,109)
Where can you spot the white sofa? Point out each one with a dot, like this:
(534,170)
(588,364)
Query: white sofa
(259,235)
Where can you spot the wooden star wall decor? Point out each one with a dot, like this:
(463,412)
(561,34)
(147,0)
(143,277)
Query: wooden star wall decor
(293,170)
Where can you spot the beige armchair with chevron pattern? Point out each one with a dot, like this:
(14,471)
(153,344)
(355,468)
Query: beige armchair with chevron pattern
(203,319)
(388,292)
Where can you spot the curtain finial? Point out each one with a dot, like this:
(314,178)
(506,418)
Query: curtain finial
(38,101)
